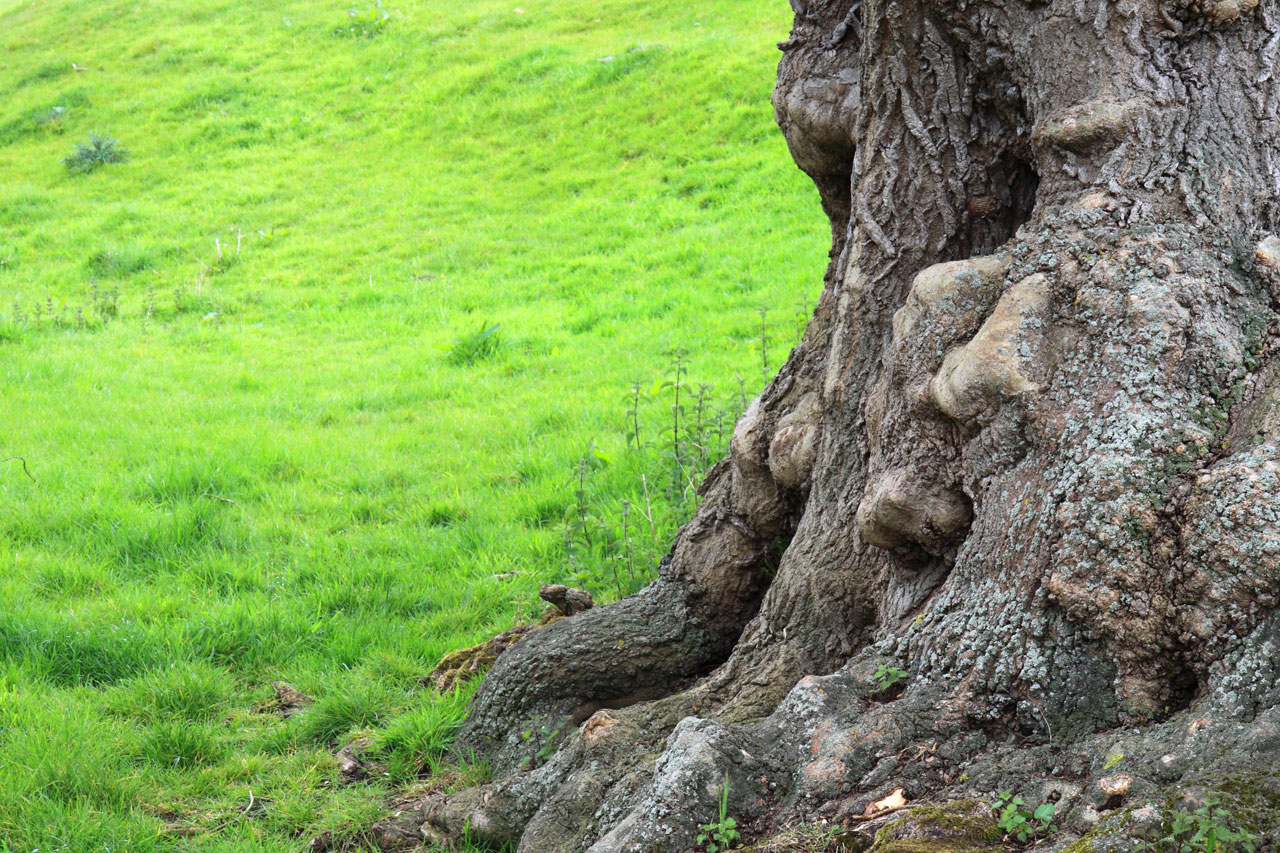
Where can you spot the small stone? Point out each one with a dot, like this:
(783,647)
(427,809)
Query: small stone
(287,701)
(599,726)
(1144,822)
(568,600)
(352,763)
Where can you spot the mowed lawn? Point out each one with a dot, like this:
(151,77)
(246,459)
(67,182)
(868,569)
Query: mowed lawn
(342,362)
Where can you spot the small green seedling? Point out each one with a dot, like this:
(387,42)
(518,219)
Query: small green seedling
(723,834)
(888,675)
(1021,825)
(552,740)
(1208,829)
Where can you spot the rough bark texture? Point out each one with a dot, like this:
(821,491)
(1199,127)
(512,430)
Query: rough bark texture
(1028,452)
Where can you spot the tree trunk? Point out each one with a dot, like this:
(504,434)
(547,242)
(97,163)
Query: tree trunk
(1027,454)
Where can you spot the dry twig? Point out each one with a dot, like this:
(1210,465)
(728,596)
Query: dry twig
(214,497)
(24,465)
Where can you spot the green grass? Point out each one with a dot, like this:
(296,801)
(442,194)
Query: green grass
(251,372)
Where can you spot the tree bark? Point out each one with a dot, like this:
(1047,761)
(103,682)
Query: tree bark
(1027,453)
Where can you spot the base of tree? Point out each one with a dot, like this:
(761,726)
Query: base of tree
(812,772)
(1007,519)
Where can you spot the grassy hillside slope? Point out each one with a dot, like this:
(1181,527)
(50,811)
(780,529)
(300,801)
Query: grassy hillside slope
(257,450)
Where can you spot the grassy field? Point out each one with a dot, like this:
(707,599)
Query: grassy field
(342,362)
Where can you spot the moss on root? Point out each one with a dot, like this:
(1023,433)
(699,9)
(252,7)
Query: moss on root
(964,826)
(1253,799)
(927,845)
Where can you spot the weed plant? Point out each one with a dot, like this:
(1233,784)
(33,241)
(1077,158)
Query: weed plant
(1021,823)
(722,834)
(887,676)
(614,537)
(94,154)
(364,23)
(1208,828)
(226,368)
(51,119)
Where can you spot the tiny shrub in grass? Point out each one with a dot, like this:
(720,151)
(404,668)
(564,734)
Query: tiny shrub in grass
(97,152)
(613,538)
(364,23)
(51,119)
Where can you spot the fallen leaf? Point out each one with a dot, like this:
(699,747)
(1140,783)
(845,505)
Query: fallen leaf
(896,799)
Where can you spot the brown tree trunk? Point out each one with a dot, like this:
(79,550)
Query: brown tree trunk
(1027,453)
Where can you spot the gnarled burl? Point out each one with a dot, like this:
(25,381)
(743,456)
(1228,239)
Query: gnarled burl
(1028,452)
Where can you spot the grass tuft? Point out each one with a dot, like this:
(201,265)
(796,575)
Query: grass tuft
(479,345)
(180,745)
(354,706)
(179,693)
(420,740)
